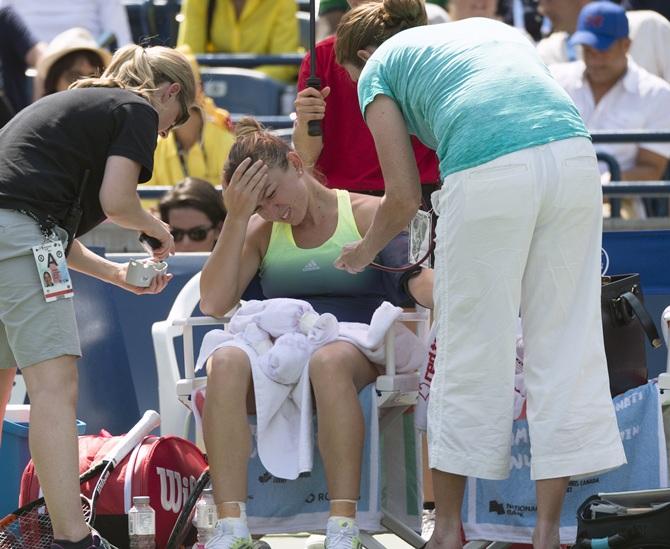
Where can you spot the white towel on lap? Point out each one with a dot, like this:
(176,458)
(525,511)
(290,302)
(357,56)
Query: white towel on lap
(369,339)
(279,336)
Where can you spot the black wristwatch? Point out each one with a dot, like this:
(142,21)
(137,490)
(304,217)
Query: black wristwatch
(406,277)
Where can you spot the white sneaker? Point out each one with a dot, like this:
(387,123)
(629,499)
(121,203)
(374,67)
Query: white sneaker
(230,533)
(427,523)
(342,533)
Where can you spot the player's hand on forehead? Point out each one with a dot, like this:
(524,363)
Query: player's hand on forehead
(246,187)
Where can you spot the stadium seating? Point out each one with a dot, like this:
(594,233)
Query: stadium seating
(153,23)
(303,25)
(243,91)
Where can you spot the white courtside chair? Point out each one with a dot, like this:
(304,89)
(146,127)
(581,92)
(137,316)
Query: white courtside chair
(664,378)
(395,392)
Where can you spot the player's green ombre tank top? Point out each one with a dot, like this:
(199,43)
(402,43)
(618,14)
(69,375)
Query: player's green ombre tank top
(290,271)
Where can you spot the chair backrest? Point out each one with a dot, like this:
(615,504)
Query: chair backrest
(163,333)
(243,91)
(166,335)
(138,19)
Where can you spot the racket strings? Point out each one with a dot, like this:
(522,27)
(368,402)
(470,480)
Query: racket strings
(32,528)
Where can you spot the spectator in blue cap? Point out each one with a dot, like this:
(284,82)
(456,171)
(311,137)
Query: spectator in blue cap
(600,25)
(612,92)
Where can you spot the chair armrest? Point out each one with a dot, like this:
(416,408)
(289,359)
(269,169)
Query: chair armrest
(420,315)
(201,321)
(401,389)
(186,325)
(664,378)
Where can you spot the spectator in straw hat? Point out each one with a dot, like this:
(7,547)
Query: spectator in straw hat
(71,55)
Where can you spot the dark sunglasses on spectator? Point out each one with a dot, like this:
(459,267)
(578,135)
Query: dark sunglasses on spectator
(196,234)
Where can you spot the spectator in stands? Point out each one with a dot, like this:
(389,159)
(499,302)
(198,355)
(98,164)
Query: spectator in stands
(462,9)
(345,153)
(67,162)
(198,148)
(491,9)
(520,182)
(522,14)
(280,218)
(649,35)
(101,18)
(72,55)
(331,11)
(650,41)
(194,210)
(613,93)
(659,6)
(19,49)
(242,26)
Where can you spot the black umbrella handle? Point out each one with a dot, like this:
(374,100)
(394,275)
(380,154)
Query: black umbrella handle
(314,126)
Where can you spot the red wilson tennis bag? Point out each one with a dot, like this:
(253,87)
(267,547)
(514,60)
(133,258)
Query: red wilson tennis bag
(163,468)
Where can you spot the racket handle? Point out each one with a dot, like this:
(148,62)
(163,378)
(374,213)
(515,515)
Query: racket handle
(314,126)
(150,420)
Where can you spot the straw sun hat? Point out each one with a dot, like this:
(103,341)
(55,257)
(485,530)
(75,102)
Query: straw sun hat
(74,39)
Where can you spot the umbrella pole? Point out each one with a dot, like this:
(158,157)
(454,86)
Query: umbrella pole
(313,126)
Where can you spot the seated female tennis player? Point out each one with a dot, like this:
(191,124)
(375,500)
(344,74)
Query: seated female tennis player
(283,223)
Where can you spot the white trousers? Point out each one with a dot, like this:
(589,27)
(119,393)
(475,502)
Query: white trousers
(521,234)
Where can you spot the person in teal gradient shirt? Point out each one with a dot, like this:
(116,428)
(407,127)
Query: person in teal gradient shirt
(519,230)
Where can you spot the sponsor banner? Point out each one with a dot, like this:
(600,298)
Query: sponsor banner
(505,510)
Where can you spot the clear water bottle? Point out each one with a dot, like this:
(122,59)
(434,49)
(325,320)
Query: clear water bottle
(142,524)
(205,518)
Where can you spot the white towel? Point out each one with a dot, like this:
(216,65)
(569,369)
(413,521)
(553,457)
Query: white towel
(287,358)
(279,336)
(369,339)
(275,316)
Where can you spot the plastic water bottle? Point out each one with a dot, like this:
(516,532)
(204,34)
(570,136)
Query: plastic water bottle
(205,518)
(142,524)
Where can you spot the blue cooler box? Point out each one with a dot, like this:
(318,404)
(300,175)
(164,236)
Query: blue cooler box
(14,456)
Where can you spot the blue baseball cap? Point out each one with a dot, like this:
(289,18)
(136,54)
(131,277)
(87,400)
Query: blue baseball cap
(600,24)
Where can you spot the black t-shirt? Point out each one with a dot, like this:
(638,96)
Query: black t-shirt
(46,150)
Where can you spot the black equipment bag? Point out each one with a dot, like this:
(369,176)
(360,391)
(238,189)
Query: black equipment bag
(625,520)
(625,323)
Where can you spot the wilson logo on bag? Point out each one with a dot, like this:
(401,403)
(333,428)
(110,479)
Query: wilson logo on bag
(163,468)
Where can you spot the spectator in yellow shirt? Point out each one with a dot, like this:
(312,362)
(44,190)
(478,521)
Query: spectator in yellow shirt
(198,148)
(242,26)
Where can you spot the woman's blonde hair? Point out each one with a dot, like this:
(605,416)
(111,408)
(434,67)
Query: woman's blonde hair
(372,23)
(142,70)
(255,142)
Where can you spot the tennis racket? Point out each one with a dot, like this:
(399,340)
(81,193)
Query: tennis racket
(29,527)
(185,519)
